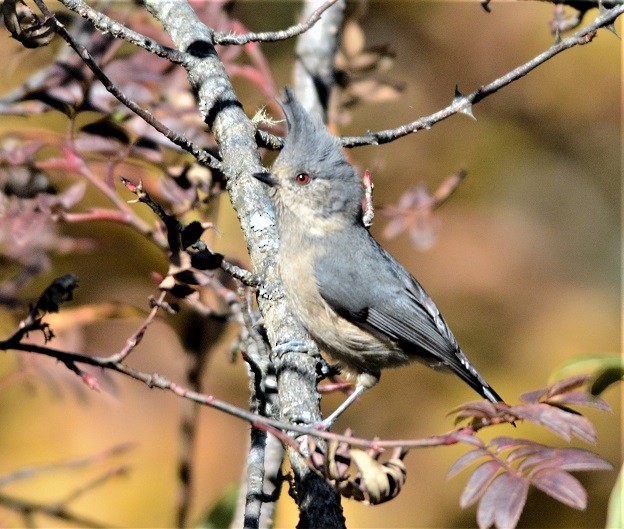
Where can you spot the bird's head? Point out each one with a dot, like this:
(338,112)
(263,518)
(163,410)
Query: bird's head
(311,178)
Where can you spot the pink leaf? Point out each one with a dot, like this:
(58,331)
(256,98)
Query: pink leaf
(582,428)
(579,459)
(581,398)
(466,460)
(561,422)
(72,195)
(567,385)
(503,502)
(394,227)
(504,442)
(478,482)
(566,459)
(560,388)
(481,407)
(533,397)
(561,486)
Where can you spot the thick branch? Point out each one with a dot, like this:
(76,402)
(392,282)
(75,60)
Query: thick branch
(314,74)
(235,134)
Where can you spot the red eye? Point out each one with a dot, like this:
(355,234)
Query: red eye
(303,179)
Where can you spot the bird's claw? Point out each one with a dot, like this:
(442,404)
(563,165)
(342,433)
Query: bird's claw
(294,346)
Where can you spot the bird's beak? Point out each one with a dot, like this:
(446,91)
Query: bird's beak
(266,178)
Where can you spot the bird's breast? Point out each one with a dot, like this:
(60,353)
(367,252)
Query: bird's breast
(356,348)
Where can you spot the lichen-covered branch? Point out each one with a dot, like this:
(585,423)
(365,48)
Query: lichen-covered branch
(314,75)
(235,134)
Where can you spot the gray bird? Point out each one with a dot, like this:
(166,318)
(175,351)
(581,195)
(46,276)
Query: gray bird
(358,303)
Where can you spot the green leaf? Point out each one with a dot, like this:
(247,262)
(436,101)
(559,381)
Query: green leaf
(615,517)
(606,369)
(605,378)
(222,512)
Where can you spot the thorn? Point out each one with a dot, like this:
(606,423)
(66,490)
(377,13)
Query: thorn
(603,10)
(464,104)
(612,29)
(485,4)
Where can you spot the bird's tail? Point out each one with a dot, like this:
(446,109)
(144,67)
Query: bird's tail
(466,371)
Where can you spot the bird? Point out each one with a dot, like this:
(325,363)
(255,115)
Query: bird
(359,304)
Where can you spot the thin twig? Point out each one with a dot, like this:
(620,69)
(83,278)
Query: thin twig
(107,25)
(29,508)
(137,336)
(244,276)
(156,380)
(78,462)
(93,484)
(228,39)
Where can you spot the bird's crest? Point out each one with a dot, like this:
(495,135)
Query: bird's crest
(308,137)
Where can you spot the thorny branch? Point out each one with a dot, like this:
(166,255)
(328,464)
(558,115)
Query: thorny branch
(374,481)
(463,103)
(114,362)
(156,380)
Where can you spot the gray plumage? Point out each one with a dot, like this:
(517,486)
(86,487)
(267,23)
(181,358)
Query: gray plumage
(352,296)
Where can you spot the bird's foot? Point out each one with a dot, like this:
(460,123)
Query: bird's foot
(295,346)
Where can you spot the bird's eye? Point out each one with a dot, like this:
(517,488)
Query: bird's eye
(303,179)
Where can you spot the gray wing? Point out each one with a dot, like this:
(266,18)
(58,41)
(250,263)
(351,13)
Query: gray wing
(376,293)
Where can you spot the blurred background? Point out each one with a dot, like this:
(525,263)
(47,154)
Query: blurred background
(523,261)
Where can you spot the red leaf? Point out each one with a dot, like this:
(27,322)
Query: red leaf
(478,482)
(504,443)
(561,486)
(503,502)
(579,459)
(554,419)
(560,388)
(476,409)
